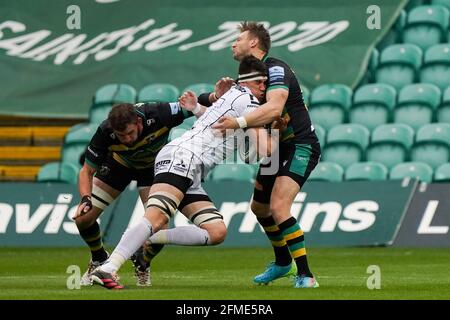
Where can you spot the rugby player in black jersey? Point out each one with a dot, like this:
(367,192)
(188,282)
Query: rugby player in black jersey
(299,154)
(123,149)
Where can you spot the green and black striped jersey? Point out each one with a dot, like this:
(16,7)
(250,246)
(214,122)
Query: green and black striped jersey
(299,128)
(157,119)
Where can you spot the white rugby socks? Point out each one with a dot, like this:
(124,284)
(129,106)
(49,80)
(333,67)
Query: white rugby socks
(131,240)
(183,236)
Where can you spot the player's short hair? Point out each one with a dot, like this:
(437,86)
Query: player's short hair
(251,66)
(259,31)
(121,115)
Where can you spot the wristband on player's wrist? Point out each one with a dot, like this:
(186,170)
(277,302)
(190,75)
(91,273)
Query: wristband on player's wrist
(197,109)
(242,122)
(86,199)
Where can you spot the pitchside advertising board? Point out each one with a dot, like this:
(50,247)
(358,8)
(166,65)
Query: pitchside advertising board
(54,55)
(330,214)
(427,221)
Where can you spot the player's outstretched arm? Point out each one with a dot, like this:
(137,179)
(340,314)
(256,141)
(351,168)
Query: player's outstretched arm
(266,113)
(188,101)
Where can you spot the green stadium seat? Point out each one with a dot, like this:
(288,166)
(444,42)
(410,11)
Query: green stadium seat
(188,123)
(82,131)
(158,92)
(436,66)
(75,142)
(390,144)
(416,104)
(398,65)
(369,76)
(58,172)
(372,105)
(442,173)
(199,88)
(306,93)
(346,144)
(329,103)
(106,97)
(394,35)
(176,133)
(115,93)
(99,112)
(416,170)
(443,112)
(369,171)
(444,3)
(426,26)
(327,171)
(321,134)
(233,172)
(414,3)
(432,145)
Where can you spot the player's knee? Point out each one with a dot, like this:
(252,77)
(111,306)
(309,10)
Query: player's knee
(217,232)
(85,221)
(279,206)
(259,209)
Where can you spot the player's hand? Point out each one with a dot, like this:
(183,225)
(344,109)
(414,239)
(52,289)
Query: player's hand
(222,86)
(84,207)
(225,123)
(279,124)
(188,100)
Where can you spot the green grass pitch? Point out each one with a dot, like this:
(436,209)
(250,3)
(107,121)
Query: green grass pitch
(224,273)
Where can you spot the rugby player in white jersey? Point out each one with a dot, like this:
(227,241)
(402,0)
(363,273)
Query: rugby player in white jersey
(180,167)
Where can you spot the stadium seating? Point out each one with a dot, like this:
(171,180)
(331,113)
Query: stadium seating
(432,145)
(395,33)
(346,144)
(372,105)
(321,134)
(390,144)
(443,112)
(327,171)
(369,171)
(399,65)
(436,66)
(444,3)
(416,170)
(176,133)
(426,26)
(75,143)
(415,3)
(106,97)
(417,104)
(158,92)
(199,88)
(442,173)
(58,172)
(236,172)
(329,104)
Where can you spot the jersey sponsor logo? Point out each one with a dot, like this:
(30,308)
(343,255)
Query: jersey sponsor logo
(174,107)
(92,152)
(276,74)
(162,163)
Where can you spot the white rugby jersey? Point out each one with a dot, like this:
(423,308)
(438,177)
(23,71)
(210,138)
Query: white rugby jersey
(209,148)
